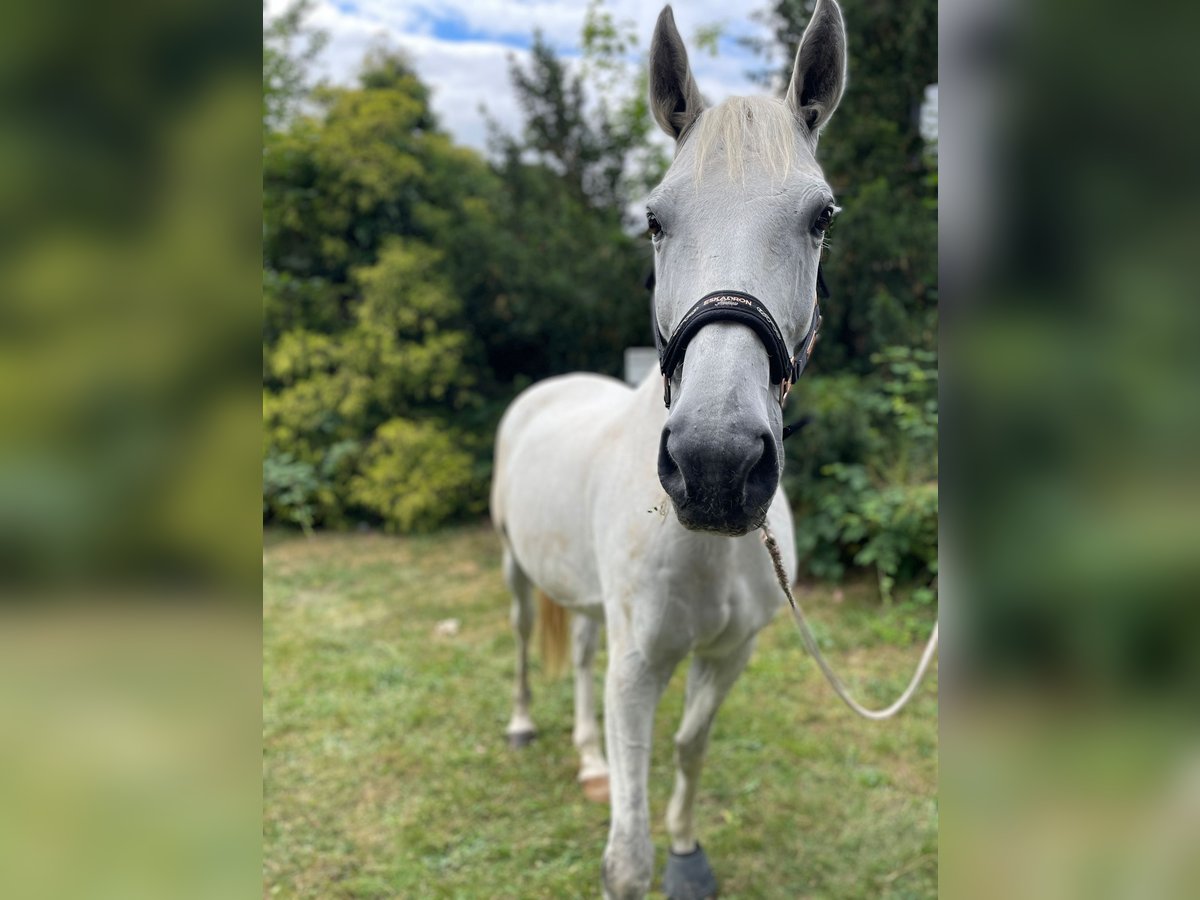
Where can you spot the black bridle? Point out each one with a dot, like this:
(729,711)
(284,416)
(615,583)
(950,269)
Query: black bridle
(745,309)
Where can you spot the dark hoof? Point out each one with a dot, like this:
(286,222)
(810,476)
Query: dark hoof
(689,877)
(519,739)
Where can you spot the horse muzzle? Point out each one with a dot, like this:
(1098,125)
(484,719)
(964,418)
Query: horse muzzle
(719,481)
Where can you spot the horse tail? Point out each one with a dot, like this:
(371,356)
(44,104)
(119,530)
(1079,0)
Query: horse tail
(552,634)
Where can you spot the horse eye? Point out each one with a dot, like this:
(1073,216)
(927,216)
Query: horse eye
(652,224)
(824,220)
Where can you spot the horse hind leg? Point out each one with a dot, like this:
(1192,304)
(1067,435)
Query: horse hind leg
(593,769)
(520,729)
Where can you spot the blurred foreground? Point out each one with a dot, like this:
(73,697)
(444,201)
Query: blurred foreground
(1071,413)
(128,753)
(129,477)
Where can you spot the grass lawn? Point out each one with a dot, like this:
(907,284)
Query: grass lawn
(386,773)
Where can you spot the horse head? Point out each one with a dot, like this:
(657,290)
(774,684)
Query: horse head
(737,222)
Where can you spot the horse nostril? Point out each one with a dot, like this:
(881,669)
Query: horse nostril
(669,474)
(763,477)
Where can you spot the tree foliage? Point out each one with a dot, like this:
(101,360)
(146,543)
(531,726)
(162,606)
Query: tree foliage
(414,475)
(410,289)
(288,49)
(601,149)
(363,327)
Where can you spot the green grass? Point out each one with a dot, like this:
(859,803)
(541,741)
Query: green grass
(386,773)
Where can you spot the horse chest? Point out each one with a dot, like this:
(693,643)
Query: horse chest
(705,609)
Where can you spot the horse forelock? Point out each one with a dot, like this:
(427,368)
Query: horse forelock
(749,128)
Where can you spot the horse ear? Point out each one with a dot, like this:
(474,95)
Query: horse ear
(820,73)
(674,98)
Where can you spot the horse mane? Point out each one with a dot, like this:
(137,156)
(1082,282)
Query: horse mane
(739,127)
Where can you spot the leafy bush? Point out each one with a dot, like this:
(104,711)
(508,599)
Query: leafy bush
(303,492)
(414,476)
(400,357)
(892,529)
(289,489)
(863,474)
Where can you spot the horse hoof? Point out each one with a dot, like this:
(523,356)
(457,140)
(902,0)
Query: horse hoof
(689,877)
(596,789)
(519,739)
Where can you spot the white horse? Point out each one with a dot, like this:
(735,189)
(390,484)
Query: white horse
(582,461)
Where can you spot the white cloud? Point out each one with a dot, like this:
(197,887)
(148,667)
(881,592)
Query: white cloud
(465,73)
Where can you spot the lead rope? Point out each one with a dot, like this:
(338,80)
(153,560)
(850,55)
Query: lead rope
(810,642)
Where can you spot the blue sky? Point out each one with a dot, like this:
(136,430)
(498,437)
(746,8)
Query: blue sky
(455,29)
(461,48)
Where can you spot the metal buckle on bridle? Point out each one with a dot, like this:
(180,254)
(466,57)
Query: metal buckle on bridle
(800,360)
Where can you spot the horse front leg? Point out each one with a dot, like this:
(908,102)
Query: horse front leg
(688,875)
(632,689)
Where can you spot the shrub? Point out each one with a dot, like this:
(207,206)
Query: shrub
(892,529)
(307,492)
(862,476)
(289,490)
(414,476)
(400,357)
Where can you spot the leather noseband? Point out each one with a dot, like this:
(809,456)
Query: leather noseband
(748,310)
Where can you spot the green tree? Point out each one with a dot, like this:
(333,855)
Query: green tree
(336,183)
(289,49)
(364,325)
(403,360)
(602,149)
(571,295)
(411,288)
(585,151)
(370,163)
(623,102)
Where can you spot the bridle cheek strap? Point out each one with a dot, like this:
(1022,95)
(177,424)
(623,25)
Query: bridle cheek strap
(748,310)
